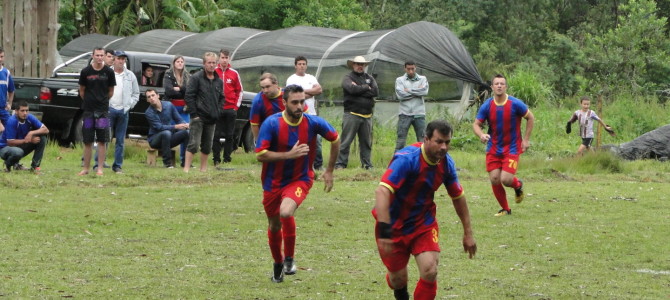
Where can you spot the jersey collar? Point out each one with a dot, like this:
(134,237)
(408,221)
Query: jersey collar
(425,157)
(288,121)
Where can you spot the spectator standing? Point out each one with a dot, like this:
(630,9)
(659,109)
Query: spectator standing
(175,82)
(126,95)
(166,127)
(359,90)
(266,103)
(204,98)
(225,126)
(109,57)
(96,87)
(410,90)
(6,90)
(285,146)
(312,89)
(24,134)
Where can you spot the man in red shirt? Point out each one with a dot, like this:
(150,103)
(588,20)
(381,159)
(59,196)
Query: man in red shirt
(232,92)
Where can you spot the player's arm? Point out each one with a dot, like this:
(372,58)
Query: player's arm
(328,174)
(82,91)
(10,99)
(298,150)
(382,207)
(461,207)
(530,120)
(314,91)
(111,92)
(254,130)
(477,128)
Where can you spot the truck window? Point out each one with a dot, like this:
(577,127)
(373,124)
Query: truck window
(152,74)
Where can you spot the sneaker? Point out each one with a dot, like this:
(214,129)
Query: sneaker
(278,273)
(289,266)
(503,212)
(19,167)
(117,170)
(519,193)
(36,170)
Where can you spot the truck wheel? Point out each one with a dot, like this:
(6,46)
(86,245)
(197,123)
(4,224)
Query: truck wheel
(248,140)
(76,136)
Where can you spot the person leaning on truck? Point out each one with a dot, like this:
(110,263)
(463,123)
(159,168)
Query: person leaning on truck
(204,101)
(6,91)
(96,86)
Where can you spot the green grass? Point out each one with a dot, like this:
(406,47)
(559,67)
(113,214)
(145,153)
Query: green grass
(593,227)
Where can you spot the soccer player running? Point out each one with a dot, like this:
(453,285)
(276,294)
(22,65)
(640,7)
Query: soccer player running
(286,146)
(504,143)
(405,211)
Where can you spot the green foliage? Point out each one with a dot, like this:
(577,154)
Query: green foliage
(564,60)
(526,84)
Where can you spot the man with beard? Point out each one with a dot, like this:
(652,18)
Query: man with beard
(286,146)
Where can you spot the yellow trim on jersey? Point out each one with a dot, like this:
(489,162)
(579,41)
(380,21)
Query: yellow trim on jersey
(524,116)
(261,152)
(283,115)
(337,139)
(252,123)
(361,115)
(504,102)
(386,185)
(459,196)
(425,157)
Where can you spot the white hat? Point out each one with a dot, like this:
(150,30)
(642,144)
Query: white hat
(357,59)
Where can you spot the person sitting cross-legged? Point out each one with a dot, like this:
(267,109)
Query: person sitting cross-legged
(23,134)
(166,127)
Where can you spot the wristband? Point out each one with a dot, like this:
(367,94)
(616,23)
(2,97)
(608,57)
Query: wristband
(384,230)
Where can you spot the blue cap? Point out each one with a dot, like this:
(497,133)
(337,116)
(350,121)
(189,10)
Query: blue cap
(120,53)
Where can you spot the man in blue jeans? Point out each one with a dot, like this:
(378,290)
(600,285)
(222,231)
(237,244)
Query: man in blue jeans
(24,133)
(166,127)
(410,90)
(126,95)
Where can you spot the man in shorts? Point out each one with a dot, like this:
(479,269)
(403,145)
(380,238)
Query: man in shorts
(405,211)
(286,146)
(96,87)
(504,143)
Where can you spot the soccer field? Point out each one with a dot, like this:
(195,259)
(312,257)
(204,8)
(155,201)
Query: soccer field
(156,233)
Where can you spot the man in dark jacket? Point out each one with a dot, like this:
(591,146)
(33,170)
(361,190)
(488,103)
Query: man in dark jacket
(359,89)
(204,99)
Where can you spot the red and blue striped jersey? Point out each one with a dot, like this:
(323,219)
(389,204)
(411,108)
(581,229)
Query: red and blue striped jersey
(262,107)
(413,180)
(504,125)
(277,134)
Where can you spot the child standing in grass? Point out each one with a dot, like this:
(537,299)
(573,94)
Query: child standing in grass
(586,116)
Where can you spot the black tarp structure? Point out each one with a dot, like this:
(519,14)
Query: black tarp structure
(438,53)
(654,144)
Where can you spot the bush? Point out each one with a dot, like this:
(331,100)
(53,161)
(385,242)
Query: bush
(525,84)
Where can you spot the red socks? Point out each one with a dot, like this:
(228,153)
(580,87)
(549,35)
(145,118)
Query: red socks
(515,183)
(288,229)
(425,290)
(501,196)
(274,240)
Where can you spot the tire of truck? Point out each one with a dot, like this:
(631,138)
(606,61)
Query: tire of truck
(76,136)
(248,140)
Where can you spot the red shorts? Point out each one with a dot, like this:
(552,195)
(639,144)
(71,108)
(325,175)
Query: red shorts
(507,162)
(413,244)
(296,191)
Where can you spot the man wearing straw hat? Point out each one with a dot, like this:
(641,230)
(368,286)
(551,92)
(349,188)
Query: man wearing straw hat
(359,90)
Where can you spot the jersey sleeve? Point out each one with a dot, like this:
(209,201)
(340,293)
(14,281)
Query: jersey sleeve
(36,124)
(256,110)
(594,116)
(10,83)
(82,77)
(10,129)
(521,108)
(265,135)
(326,130)
(454,188)
(482,114)
(396,173)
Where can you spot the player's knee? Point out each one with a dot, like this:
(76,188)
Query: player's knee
(507,182)
(398,279)
(429,272)
(285,213)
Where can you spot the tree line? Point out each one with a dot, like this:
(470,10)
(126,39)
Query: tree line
(565,46)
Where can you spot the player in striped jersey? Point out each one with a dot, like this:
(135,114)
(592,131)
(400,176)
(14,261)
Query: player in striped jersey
(266,103)
(286,146)
(405,211)
(504,142)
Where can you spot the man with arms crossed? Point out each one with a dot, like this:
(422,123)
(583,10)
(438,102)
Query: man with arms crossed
(96,86)
(312,89)
(504,143)
(405,211)
(410,90)
(285,146)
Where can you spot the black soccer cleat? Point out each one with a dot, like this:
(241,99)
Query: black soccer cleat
(278,273)
(519,193)
(289,266)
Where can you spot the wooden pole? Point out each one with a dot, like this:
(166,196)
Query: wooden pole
(599,111)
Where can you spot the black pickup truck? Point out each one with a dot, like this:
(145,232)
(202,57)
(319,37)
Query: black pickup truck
(56,100)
